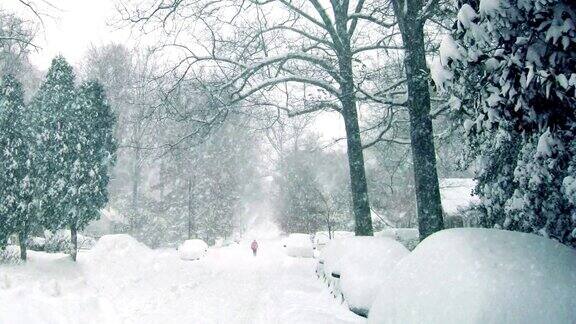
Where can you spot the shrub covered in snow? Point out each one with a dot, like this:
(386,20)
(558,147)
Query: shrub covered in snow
(192,249)
(481,276)
(36,243)
(510,66)
(10,254)
(60,241)
(299,245)
(364,267)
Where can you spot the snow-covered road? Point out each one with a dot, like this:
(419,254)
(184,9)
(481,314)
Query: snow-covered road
(128,283)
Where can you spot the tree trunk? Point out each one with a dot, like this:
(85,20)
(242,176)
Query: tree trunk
(189,209)
(421,134)
(359,188)
(135,188)
(329,226)
(22,238)
(74,240)
(360,201)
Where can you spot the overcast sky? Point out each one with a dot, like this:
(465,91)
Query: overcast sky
(70,28)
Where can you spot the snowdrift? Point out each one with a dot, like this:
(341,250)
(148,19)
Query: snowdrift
(192,249)
(481,276)
(117,257)
(299,245)
(117,246)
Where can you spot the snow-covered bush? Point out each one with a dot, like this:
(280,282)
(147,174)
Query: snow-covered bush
(364,267)
(192,249)
(299,245)
(36,243)
(481,276)
(59,241)
(510,68)
(10,255)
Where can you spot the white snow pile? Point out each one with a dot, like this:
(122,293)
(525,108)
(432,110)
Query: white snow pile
(50,288)
(299,245)
(481,276)
(364,266)
(192,249)
(116,256)
(117,246)
(456,194)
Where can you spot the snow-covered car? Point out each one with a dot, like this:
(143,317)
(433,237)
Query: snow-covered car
(194,249)
(320,240)
(327,257)
(299,245)
(364,266)
(474,275)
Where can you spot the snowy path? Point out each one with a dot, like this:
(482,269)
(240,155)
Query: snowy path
(228,286)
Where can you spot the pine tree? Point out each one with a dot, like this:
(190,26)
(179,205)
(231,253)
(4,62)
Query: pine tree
(56,135)
(511,67)
(94,154)
(16,203)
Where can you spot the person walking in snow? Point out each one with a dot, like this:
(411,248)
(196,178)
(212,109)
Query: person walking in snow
(254,247)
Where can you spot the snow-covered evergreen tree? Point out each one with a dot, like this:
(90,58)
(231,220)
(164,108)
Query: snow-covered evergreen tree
(93,154)
(511,65)
(16,196)
(57,137)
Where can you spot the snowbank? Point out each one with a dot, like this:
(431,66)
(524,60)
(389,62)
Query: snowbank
(50,288)
(299,245)
(192,249)
(481,276)
(116,256)
(118,245)
(48,308)
(364,267)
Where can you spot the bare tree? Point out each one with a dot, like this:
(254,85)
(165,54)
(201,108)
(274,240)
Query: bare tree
(309,53)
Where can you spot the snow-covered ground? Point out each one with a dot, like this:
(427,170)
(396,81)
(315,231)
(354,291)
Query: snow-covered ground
(122,281)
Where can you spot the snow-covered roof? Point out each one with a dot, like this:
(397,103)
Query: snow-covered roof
(456,193)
